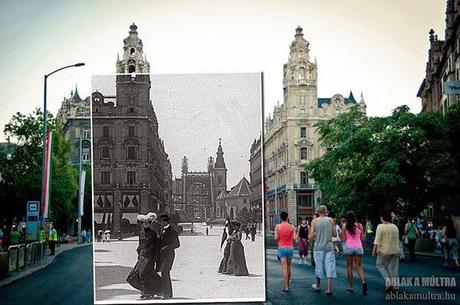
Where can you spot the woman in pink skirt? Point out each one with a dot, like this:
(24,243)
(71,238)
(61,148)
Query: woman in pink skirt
(302,240)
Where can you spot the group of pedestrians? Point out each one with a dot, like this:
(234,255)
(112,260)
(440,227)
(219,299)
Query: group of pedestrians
(322,233)
(86,236)
(155,257)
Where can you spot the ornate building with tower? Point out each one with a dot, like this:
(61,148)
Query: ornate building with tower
(291,140)
(132,171)
(195,192)
(74,115)
(441,86)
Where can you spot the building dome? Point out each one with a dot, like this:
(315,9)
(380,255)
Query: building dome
(299,43)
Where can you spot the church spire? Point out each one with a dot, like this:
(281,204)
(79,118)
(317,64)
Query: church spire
(132,60)
(220,163)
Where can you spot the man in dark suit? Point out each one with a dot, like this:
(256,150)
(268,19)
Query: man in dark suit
(169,240)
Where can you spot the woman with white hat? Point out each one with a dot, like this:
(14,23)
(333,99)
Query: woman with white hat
(143,276)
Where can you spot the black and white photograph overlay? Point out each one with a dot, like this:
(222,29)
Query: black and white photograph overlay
(177,185)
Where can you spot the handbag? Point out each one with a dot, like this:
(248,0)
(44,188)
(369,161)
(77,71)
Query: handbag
(405,240)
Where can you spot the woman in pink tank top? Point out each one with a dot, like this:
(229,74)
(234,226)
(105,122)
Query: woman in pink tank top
(352,236)
(284,235)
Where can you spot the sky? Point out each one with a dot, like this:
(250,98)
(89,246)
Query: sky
(375,47)
(194,111)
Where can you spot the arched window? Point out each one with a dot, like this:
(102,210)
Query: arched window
(132,69)
(301,75)
(132,51)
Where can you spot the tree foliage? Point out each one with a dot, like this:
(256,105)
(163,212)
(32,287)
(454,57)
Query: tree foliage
(400,162)
(22,172)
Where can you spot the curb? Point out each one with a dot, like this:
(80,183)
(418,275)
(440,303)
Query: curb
(7,281)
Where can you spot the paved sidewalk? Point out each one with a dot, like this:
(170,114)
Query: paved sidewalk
(47,260)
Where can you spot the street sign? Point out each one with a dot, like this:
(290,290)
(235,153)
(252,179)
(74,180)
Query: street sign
(451,87)
(32,218)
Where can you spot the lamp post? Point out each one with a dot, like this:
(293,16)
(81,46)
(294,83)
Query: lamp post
(45,121)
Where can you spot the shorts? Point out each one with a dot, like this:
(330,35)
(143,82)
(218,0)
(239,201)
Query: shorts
(324,264)
(285,253)
(353,251)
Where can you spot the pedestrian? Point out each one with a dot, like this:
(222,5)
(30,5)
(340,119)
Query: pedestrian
(312,259)
(369,233)
(302,240)
(386,249)
(253,233)
(14,236)
(237,258)
(412,233)
(450,242)
(52,239)
(336,239)
(83,236)
(284,235)
(401,228)
(143,276)
(352,236)
(246,231)
(207,231)
(88,235)
(169,241)
(323,229)
(224,262)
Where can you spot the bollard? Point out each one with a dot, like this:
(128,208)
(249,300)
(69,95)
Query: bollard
(12,259)
(21,256)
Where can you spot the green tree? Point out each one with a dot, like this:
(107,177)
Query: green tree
(22,173)
(401,162)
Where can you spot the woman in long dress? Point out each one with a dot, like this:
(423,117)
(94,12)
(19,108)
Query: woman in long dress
(143,276)
(225,237)
(237,261)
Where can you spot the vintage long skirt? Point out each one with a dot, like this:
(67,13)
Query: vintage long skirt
(143,276)
(237,260)
(223,268)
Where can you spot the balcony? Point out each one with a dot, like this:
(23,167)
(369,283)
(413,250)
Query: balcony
(303,186)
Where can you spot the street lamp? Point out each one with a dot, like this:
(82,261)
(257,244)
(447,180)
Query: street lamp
(44,122)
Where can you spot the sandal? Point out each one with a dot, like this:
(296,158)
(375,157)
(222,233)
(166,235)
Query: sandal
(350,289)
(329,293)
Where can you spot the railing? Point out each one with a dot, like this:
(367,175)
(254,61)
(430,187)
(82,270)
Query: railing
(19,257)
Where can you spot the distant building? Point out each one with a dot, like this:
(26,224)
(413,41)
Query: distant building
(132,171)
(74,115)
(291,140)
(255,176)
(237,200)
(441,88)
(195,192)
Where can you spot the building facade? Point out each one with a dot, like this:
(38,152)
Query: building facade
(237,201)
(291,140)
(132,172)
(195,192)
(441,88)
(255,177)
(74,115)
